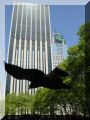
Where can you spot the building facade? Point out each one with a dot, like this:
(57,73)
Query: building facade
(59,49)
(29,43)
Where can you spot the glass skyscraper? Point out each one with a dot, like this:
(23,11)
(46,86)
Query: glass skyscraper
(29,43)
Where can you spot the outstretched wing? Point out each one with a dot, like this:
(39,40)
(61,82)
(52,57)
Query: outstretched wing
(15,71)
(57,73)
(61,72)
(33,75)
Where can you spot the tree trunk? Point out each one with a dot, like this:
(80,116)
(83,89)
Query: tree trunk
(51,109)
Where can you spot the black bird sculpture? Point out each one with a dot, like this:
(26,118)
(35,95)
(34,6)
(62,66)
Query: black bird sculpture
(38,78)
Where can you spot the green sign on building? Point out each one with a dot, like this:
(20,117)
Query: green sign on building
(58,38)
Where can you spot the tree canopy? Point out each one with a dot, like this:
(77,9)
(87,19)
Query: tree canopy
(72,101)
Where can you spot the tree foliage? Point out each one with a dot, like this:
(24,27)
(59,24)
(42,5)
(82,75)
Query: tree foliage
(18,104)
(72,101)
(69,101)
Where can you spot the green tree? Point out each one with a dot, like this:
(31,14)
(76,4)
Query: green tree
(18,104)
(10,104)
(75,98)
(73,101)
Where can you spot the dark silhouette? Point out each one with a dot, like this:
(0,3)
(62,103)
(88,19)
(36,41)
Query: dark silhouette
(38,78)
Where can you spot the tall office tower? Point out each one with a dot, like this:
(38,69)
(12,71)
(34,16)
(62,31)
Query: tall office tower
(59,49)
(29,45)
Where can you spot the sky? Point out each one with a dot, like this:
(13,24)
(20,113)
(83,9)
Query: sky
(65,19)
(8,17)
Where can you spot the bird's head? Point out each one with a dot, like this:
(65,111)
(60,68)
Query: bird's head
(61,72)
